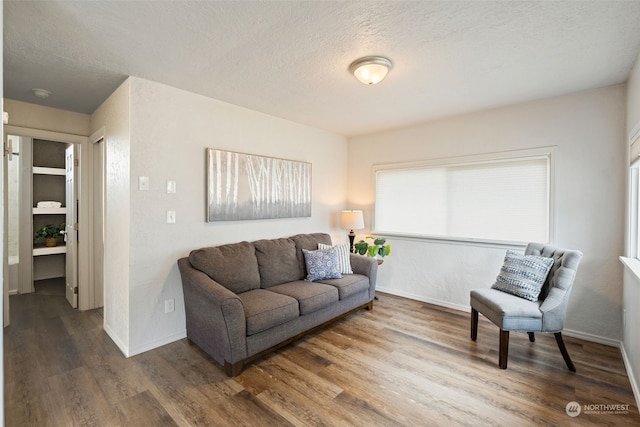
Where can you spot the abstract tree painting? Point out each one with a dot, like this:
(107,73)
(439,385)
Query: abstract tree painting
(243,186)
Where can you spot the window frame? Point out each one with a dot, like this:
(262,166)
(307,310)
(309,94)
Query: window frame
(548,152)
(633,210)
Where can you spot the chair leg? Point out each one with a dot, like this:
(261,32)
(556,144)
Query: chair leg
(532,336)
(474,324)
(504,349)
(564,352)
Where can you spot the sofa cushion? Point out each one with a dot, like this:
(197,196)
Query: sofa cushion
(310,296)
(264,309)
(310,243)
(349,285)
(344,260)
(234,266)
(277,261)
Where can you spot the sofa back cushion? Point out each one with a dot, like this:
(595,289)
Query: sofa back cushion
(310,243)
(234,266)
(277,261)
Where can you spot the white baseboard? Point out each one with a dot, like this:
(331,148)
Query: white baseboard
(568,332)
(630,374)
(128,352)
(424,299)
(590,337)
(123,348)
(158,343)
(13,292)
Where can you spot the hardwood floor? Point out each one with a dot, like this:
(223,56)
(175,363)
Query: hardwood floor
(404,363)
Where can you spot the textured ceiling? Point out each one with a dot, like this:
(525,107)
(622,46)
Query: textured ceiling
(290,58)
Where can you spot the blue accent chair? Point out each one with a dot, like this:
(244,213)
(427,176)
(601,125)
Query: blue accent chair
(512,313)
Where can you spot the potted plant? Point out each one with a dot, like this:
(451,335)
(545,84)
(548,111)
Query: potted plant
(377,248)
(50,233)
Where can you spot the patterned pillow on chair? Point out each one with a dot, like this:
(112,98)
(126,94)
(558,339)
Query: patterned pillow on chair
(523,275)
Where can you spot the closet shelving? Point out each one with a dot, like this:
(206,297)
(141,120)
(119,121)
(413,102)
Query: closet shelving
(48,184)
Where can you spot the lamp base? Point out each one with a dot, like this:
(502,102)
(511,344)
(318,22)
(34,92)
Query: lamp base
(352,237)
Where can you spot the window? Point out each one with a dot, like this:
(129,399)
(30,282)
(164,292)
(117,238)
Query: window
(632,250)
(633,245)
(503,198)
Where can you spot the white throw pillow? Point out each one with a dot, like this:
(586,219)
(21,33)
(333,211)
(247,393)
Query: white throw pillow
(344,261)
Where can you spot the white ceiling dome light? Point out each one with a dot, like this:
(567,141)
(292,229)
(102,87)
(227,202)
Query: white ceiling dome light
(370,70)
(41,93)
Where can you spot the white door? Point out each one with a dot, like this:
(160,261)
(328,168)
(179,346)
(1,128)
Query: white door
(71,236)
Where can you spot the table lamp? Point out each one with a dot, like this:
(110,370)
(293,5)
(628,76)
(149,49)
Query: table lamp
(352,220)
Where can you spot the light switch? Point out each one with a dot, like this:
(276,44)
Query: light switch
(171,187)
(171,217)
(143,183)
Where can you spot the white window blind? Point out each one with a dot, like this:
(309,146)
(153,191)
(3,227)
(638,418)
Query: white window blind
(496,200)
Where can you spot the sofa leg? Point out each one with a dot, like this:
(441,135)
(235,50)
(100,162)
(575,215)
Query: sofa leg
(370,306)
(474,324)
(233,369)
(563,350)
(504,349)
(532,336)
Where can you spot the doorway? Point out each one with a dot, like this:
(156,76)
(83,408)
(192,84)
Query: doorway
(42,206)
(89,284)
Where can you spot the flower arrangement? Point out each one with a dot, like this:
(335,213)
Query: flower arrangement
(378,248)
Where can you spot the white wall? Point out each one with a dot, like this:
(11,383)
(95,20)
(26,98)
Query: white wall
(587,128)
(114,115)
(631,338)
(169,132)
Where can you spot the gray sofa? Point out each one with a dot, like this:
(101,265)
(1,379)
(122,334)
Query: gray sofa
(245,299)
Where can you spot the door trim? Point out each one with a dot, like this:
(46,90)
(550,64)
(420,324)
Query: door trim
(96,291)
(45,134)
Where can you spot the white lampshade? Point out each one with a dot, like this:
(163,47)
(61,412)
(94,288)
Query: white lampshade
(352,220)
(371,69)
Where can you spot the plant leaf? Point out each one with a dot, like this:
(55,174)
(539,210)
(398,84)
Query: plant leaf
(372,251)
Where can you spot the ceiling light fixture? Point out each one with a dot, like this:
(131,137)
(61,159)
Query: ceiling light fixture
(41,93)
(370,69)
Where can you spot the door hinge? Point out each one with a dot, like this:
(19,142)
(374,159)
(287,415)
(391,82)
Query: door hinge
(8,149)
(76,162)
(75,290)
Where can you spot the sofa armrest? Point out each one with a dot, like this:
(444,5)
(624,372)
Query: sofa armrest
(214,315)
(367,267)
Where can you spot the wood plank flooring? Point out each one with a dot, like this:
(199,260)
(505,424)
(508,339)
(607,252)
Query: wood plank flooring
(405,363)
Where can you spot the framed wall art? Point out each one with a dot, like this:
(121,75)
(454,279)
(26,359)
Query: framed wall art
(245,186)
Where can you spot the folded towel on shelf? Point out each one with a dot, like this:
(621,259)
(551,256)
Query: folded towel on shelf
(49,204)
